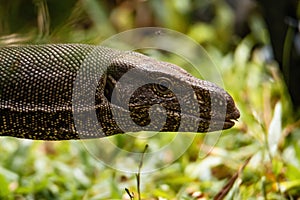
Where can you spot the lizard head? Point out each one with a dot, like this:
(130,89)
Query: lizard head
(146,94)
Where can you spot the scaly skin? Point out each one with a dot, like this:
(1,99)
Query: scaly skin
(76,91)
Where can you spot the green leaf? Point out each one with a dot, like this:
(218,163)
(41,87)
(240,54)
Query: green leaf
(292,172)
(275,130)
(4,189)
(288,185)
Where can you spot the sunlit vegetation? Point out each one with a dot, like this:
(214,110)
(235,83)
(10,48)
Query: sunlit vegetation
(267,133)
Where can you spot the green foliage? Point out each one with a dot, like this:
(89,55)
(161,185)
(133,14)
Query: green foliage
(267,130)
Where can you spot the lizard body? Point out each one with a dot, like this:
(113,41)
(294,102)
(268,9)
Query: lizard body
(38,84)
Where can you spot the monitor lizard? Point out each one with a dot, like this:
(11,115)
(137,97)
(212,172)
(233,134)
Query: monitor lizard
(37,94)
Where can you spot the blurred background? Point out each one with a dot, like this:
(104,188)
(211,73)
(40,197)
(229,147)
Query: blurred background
(256,46)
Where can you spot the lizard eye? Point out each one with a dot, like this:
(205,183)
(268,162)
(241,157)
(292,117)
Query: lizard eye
(163,87)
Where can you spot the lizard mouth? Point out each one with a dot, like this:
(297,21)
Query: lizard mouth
(175,120)
(209,124)
(230,122)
